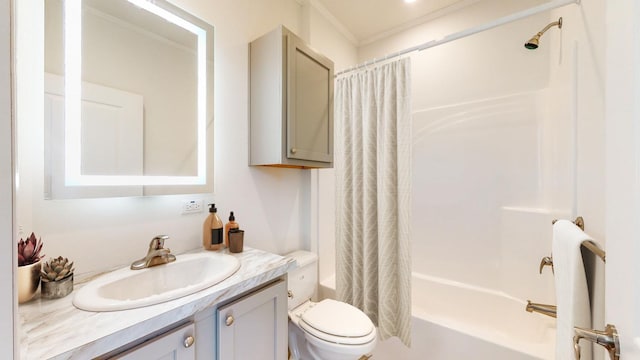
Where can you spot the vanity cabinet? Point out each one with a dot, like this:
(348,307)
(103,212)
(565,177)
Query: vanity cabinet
(254,326)
(291,103)
(178,344)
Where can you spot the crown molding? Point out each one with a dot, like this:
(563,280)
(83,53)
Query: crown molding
(320,8)
(419,21)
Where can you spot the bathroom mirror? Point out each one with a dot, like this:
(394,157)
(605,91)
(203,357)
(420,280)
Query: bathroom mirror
(128,99)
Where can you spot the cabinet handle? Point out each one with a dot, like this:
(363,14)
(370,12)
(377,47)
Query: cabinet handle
(188,341)
(229,320)
(294,150)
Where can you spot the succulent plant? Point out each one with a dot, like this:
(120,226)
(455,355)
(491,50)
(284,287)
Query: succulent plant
(56,269)
(29,250)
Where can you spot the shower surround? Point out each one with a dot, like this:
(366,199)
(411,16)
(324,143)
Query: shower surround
(500,134)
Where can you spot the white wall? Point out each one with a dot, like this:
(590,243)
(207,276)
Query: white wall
(478,106)
(577,76)
(622,164)
(272,205)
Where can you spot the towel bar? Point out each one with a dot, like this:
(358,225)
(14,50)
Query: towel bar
(579,221)
(593,247)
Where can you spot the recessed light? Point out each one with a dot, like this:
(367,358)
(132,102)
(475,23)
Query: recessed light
(409,1)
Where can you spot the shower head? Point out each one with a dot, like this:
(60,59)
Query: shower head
(532,44)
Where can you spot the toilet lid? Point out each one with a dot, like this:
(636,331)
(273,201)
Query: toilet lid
(331,319)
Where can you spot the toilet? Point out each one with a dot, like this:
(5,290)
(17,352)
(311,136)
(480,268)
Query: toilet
(326,330)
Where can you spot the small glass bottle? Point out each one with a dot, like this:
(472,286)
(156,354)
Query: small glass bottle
(232,224)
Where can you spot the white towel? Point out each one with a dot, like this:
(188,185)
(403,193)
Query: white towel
(572,295)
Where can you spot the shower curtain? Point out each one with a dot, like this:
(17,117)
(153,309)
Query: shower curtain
(373,180)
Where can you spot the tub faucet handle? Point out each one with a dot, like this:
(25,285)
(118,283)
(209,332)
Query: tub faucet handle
(546,261)
(608,339)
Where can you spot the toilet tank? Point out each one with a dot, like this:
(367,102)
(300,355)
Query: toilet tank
(302,280)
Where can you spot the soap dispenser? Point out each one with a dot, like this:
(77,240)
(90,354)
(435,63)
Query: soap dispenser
(232,224)
(212,238)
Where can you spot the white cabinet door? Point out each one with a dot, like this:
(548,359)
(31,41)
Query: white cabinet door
(177,344)
(255,326)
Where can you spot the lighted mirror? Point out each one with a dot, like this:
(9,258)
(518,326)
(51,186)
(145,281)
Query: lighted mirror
(128,99)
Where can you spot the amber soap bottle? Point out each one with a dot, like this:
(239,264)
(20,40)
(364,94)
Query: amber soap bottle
(232,224)
(212,237)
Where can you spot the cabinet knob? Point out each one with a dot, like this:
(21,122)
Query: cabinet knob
(290,294)
(294,150)
(188,341)
(229,320)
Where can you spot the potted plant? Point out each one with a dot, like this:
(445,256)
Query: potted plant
(57,278)
(28,267)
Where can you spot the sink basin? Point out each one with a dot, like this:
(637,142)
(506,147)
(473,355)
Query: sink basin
(127,289)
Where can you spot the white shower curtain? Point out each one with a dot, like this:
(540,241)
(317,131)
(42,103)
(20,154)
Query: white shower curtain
(373,180)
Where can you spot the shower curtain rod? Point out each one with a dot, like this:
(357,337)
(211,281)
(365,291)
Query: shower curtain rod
(474,30)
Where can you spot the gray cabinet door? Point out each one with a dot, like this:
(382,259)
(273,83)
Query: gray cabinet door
(255,326)
(309,102)
(177,344)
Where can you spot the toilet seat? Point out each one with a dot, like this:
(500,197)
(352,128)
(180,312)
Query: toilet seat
(337,322)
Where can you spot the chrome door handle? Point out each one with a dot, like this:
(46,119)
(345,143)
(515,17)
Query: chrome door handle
(546,261)
(607,338)
(229,320)
(189,341)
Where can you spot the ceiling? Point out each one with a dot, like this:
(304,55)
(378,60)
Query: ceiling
(368,20)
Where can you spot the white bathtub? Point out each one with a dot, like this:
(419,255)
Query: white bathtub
(454,321)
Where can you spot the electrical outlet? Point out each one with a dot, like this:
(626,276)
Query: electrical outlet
(192,206)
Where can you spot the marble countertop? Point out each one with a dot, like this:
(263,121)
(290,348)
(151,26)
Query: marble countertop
(55,329)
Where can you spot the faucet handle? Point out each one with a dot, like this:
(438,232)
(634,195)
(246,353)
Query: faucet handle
(546,261)
(608,338)
(157,242)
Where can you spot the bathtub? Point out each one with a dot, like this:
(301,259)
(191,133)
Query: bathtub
(454,321)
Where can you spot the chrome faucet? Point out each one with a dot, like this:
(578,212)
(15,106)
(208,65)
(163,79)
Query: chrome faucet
(549,310)
(157,254)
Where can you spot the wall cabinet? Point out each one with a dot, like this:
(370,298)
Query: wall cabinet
(254,326)
(291,103)
(178,344)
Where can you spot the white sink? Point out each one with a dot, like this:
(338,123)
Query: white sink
(127,289)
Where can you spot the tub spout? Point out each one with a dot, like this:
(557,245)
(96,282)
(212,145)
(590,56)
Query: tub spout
(549,310)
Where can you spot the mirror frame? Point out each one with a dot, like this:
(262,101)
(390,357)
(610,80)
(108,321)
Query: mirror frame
(73,80)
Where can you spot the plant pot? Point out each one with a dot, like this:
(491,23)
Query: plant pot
(28,281)
(57,289)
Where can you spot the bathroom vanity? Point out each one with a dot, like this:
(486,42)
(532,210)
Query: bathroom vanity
(250,305)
